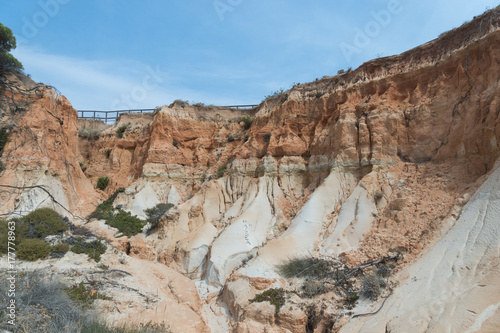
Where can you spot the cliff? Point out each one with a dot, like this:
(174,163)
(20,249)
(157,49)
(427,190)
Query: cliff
(397,156)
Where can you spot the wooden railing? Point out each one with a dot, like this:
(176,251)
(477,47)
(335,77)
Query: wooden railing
(111,116)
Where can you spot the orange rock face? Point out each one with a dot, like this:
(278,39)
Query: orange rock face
(409,138)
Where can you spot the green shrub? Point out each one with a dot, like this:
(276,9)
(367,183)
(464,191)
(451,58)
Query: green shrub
(107,152)
(230,138)
(156,213)
(4,138)
(247,122)
(371,287)
(306,267)
(4,236)
(32,249)
(221,170)
(82,166)
(176,144)
(93,249)
(267,137)
(105,209)
(126,223)
(275,296)
(246,137)
(40,223)
(60,248)
(121,130)
(102,182)
(275,94)
(82,296)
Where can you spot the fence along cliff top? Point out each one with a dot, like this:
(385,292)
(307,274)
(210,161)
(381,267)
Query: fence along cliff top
(111,116)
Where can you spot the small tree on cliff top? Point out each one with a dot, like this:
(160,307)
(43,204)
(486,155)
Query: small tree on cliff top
(7,43)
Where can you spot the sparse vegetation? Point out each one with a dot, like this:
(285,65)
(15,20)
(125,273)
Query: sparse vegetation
(230,138)
(246,137)
(247,122)
(45,305)
(121,130)
(93,249)
(41,305)
(305,267)
(105,210)
(82,166)
(102,182)
(275,94)
(275,296)
(84,297)
(222,170)
(89,132)
(107,152)
(175,144)
(156,213)
(324,275)
(4,138)
(179,102)
(372,286)
(32,249)
(126,223)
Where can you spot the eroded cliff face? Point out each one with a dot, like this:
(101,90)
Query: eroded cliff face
(41,151)
(380,160)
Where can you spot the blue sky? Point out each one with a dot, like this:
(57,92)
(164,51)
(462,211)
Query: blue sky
(110,54)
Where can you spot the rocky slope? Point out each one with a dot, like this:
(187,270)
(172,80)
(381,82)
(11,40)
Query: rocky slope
(397,156)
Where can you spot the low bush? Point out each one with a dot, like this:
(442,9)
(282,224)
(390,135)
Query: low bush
(156,213)
(126,223)
(222,170)
(60,248)
(102,182)
(32,249)
(121,130)
(247,122)
(372,286)
(275,296)
(4,138)
(82,166)
(306,267)
(84,297)
(4,236)
(93,249)
(107,152)
(40,223)
(230,138)
(175,144)
(105,209)
(89,132)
